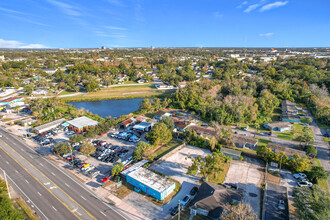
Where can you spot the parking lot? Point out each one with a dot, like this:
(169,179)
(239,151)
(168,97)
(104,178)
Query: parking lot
(248,176)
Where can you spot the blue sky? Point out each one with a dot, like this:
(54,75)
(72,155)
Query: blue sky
(164,23)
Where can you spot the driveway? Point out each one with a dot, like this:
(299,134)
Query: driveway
(248,175)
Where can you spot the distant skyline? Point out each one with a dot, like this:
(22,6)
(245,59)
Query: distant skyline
(164,23)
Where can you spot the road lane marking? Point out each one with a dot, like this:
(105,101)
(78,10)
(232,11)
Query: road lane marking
(39,193)
(52,187)
(67,184)
(40,182)
(26,181)
(7,162)
(28,199)
(53,174)
(30,156)
(46,183)
(83,198)
(41,164)
(82,186)
(16,171)
(54,208)
(103,213)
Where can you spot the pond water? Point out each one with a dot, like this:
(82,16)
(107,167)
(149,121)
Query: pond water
(113,108)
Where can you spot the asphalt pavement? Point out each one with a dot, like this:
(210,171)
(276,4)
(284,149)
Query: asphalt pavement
(78,201)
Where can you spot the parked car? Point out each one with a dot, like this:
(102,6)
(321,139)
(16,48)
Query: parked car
(281,204)
(305,184)
(193,191)
(105,179)
(299,176)
(185,200)
(245,128)
(175,210)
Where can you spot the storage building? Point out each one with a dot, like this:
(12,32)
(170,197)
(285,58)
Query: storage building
(81,124)
(48,126)
(151,183)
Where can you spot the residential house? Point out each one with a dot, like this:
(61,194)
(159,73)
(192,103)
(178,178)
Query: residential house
(182,84)
(244,141)
(278,148)
(278,126)
(40,92)
(179,123)
(211,199)
(127,123)
(202,131)
(235,154)
(160,114)
(292,118)
(49,71)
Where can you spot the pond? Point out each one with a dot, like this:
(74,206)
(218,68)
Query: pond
(113,108)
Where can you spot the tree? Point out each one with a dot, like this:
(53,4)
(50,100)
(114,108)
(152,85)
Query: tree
(159,134)
(311,150)
(141,150)
(309,120)
(238,212)
(168,121)
(76,138)
(7,210)
(317,173)
(312,203)
(213,142)
(116,169)
(62,148)
(87,148)
(208,165)
(307,135)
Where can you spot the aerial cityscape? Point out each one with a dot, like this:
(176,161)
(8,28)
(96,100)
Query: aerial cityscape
(151,110)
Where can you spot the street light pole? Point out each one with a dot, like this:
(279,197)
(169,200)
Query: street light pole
(179,211)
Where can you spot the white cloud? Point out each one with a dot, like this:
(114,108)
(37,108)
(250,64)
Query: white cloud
(266,34)
(65,8)
(18,44)
(115,28)
(218,14)
(251,8)
(11,11)
(242,4)
(273,5)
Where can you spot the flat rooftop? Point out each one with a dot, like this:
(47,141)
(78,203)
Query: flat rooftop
(150,179)
(82,122)
(273,194)
(49,125)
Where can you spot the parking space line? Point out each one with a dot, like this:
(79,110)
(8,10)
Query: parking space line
(103,213)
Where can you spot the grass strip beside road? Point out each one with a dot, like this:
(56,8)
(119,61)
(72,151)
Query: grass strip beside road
(31,215)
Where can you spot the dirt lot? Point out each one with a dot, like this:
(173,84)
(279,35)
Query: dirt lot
(248,175)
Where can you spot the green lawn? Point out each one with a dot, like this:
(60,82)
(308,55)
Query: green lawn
(291,135)
(263,142)
(67,92)
(167,148)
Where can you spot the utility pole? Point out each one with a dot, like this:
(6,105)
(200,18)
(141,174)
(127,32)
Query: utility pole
(179,211)
(4,172)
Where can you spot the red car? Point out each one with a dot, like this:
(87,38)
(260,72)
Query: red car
(71,158)
(105,179)
(83,164)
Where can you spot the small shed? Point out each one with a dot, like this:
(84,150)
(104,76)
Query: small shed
(235,154)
